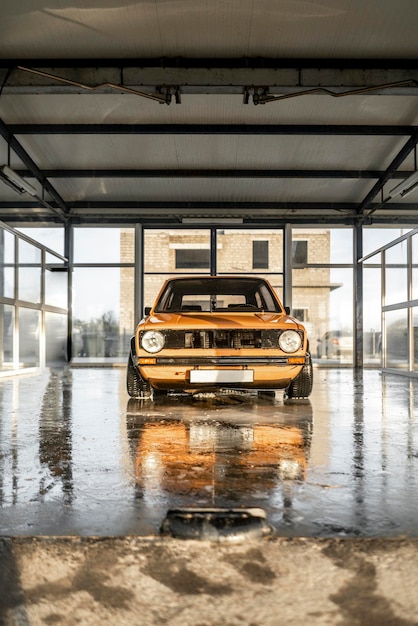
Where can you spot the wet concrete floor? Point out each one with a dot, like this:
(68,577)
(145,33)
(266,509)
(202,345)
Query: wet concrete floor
(77,457)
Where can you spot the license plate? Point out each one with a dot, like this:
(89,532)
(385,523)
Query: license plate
(221,376)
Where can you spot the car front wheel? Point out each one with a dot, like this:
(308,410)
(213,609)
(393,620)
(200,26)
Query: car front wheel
(136,386)
(301,387)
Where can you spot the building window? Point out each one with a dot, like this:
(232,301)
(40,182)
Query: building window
(299,252)
(260,255)
(300,314)
(187,258)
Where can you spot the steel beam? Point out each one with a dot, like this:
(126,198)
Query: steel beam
(212,129)
(60,208)
(395,164)
(207,75)
(187,206)
(214,173)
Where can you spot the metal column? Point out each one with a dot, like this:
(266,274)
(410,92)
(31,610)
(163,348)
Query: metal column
(358,297)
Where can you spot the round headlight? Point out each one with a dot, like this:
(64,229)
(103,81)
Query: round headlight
(290,341)
(152,341)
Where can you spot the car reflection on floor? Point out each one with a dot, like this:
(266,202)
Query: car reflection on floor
(219,450)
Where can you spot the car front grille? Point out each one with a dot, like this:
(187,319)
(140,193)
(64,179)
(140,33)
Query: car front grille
(232,339)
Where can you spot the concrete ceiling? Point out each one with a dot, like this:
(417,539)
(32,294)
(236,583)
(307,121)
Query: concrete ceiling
(295,111)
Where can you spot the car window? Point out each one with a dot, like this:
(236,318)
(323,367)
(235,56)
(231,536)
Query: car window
(217,294)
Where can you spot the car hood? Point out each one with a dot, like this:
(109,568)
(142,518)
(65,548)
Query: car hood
(210,320)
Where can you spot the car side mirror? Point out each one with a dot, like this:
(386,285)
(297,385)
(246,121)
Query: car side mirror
(287,309)
(147,310)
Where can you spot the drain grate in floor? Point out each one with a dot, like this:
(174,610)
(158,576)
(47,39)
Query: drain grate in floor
(216,524)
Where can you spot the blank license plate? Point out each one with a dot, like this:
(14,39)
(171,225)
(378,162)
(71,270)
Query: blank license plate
(221,376)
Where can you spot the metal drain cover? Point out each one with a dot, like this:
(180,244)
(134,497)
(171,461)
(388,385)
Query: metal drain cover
(216,524)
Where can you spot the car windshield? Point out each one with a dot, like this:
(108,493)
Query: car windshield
(217,294)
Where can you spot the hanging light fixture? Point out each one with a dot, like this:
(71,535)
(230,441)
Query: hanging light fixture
(406,187)
(16,182)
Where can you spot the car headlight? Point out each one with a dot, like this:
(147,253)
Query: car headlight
(290,341)
(152,341)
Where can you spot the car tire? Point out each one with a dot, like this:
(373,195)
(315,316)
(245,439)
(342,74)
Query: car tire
(301,387)
(136,386)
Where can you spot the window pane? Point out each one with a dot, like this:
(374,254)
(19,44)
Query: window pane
(396,274)
(325,297)
(6,336)
(28,253)
(55,338)
(260,254)
(191,259)
(414,242)
(103,311)
(29,272)
(104,245)
(341,245)
(313,245)
(415,336)
(322,245)
(52,238)
(374,237)
(276,281)
(299,251)
(164,248)
(397,339)
(29,336)
(235,246)
(7,264)
(56,288)
(372,316)
(152,286)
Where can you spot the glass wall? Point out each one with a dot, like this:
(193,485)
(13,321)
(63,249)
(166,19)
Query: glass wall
(372,312)
(390,292)
(7,264)
(103,287)
(29,295)
(396,345)
(322,291)
(108,287)
(170,252)
(245,251)
(373,239)
(51,237)
(7,323)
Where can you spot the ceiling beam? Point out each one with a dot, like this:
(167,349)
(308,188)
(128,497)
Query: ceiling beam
(388,174)
(61,209)
(254,213)
(290,77)
(213,129)
(337,63)
(178,205)
(213,173)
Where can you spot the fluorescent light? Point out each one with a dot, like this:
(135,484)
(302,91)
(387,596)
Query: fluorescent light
(212,220)
(15,181)
(405,188)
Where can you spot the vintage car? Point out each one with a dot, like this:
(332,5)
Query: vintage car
(207,333)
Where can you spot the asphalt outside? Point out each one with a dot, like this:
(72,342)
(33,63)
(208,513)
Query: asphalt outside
(327,490)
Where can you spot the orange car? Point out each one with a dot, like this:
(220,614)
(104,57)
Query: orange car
(207,333)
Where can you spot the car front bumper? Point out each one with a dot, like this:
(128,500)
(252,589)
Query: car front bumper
(215,373)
